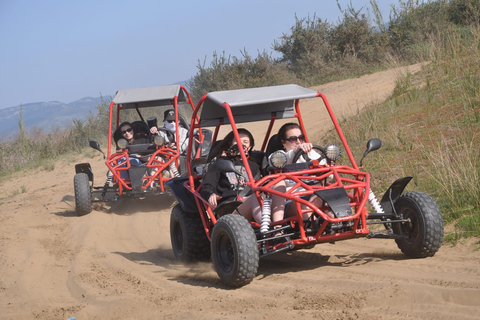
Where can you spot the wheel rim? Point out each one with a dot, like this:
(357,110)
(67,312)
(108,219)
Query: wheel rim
(411,228)
(225,252)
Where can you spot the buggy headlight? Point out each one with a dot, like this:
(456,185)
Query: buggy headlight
(122,143)
(158,140)
(332,152)
(278,159)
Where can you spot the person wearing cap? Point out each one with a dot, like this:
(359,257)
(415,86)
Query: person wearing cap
(170,124)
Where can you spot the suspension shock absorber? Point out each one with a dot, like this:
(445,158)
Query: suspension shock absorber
(374,202)
(378,208)
(107,183)
(266,213)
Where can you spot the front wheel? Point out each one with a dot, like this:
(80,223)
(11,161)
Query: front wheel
(188,237)
(83,194)
(234,250)
(425,226)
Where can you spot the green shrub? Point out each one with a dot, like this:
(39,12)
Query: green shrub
(228,73)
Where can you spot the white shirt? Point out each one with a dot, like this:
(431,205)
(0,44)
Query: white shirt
(182,136)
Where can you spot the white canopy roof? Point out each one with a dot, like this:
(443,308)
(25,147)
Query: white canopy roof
(149,97)
(254,104)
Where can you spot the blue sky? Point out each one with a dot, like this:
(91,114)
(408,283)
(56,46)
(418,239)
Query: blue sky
(65,50)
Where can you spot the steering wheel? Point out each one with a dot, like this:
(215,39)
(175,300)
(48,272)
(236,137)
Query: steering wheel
(305,156)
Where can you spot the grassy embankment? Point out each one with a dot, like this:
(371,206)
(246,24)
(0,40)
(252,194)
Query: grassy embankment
(430,129)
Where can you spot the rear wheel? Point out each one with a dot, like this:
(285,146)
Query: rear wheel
(425,228)
(189,241)
(234,250)
(83,194)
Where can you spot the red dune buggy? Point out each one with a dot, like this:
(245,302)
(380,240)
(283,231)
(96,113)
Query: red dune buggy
(157,158)
(200,232)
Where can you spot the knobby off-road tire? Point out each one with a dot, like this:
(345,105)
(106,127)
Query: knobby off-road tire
(83,194)
(234,250)
(425,229)
(187,234)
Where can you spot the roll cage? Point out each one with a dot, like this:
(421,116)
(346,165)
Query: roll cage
(138,98)
(163,98)
(281,102)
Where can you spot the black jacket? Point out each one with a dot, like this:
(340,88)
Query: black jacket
(224,184)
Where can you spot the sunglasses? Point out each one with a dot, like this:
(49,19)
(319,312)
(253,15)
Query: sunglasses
(293,139)
(170,121)
(127,130)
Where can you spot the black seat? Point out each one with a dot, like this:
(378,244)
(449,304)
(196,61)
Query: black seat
(141,129)
(183,122)
(205,146)
(257,156)
(212,148)
(273,145)
(117,135)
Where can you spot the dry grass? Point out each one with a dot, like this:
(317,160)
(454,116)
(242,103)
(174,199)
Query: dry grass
(430,129)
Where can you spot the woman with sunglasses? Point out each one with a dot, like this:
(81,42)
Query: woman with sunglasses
(127,133)
(293,139)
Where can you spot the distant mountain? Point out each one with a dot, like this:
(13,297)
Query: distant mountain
(49,115)
(46,115)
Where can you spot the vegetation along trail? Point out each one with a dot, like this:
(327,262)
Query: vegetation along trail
(116,262)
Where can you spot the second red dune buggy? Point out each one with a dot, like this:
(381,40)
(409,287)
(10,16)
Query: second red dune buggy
(200,231)
(142,169)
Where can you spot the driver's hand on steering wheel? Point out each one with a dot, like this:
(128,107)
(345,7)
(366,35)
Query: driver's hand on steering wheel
(306,147)
(212,200)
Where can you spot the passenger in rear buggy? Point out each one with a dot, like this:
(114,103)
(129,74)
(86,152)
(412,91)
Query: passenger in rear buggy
(169,123)
(218,186)
(126,131)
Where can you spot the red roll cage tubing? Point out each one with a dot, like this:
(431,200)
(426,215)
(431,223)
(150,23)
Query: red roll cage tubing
(235,132)
(175,105)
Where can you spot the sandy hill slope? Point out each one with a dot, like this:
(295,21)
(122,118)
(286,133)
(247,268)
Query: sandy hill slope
(116,263)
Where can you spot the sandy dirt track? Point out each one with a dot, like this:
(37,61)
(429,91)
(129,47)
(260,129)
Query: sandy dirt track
(117,263)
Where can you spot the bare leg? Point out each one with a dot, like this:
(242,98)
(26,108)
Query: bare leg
(318,202)
(250,209)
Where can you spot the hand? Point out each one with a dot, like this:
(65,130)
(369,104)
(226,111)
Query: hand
(306,147)
(212,200)
(153,130)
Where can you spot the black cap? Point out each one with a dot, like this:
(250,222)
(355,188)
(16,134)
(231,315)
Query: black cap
(169,115)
